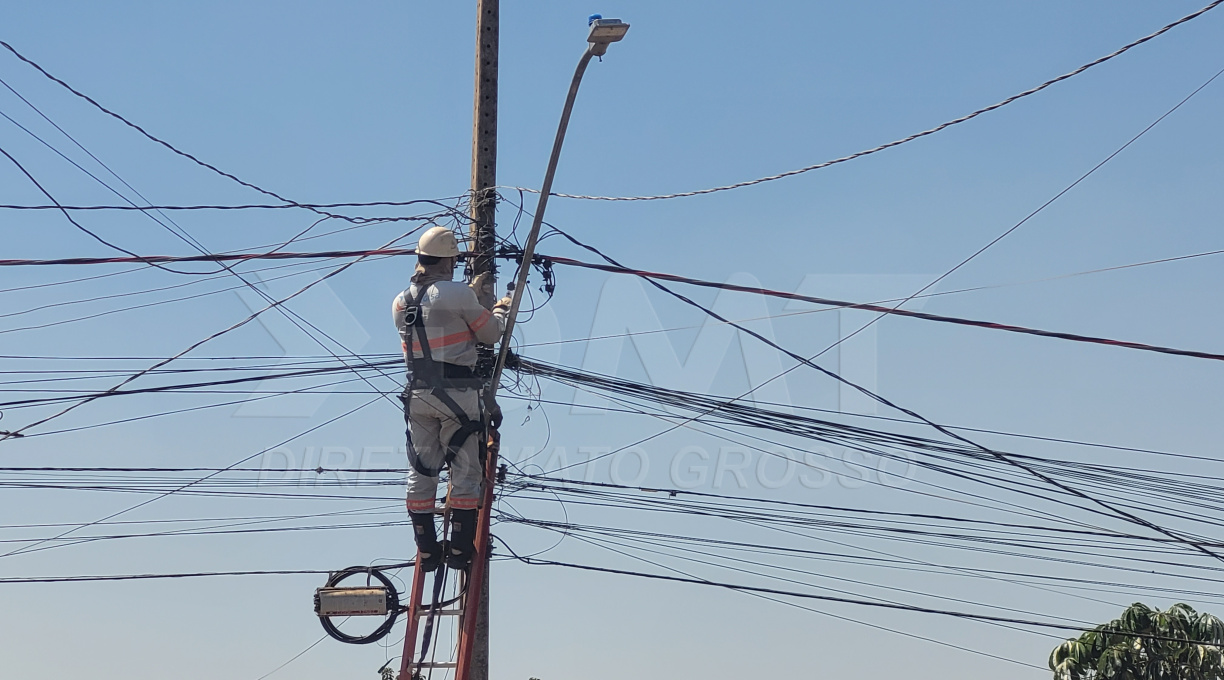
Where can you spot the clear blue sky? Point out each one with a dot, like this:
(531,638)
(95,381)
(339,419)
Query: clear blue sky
(372,101)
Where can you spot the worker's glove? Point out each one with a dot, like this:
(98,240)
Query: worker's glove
(494,411)
(482,286)
(503,304)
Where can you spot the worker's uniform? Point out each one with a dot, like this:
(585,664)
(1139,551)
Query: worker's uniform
(440,322)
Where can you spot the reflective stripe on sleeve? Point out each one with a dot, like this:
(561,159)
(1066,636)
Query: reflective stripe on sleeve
(480,321)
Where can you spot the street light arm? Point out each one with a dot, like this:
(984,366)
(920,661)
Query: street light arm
(533,236)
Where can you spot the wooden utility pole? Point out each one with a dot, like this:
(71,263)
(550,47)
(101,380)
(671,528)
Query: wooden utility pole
(484,139)
(484,236)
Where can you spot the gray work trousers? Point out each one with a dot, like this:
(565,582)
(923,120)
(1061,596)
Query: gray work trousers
(431,425)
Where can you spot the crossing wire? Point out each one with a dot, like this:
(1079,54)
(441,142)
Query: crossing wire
(766,179)
(896,311)
(293,317)
(869,441)
(1170,486)
(171,147)
(275,303)
(811,596)
(904,140)
(676,278)
(888,560)
(147,577)
(249,206)
(73,221)
(1178,487)
(113,515)
(1010,460)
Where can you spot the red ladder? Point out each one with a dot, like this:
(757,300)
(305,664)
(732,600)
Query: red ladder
(468,606)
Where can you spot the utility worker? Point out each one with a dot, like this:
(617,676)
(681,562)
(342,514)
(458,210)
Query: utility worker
(439,322)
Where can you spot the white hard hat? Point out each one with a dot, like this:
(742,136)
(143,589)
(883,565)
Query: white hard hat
(438,242)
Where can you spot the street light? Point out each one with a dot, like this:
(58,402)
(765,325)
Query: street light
(603,32)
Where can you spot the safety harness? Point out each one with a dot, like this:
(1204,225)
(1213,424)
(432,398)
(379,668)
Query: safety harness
(437,377)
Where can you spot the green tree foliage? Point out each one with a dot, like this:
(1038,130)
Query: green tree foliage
(1145,644)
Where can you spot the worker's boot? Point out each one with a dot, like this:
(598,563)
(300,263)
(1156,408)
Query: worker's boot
(462,539)
(428,548)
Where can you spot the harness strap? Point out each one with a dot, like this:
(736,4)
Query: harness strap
(425,369)
(431,374)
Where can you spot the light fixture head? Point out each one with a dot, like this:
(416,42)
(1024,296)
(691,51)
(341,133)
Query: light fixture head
(604,32)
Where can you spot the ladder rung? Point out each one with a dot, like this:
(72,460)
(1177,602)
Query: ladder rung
(440,612)
(440,664)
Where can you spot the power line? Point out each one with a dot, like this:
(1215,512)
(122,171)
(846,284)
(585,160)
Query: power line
(559,482)
(191,409)
(178,231)
(72,220)
(147,577)
(194,520)
(295,657)
(169,146)
(212,383)
(158,303)
(809,609)
(889,560)
(1117,511)
(319,469)
(1133,478)
(904,140)
(810,596)
(169,225)
(744,415)
(250,206)
(193,346)
(1113,508)
(219,257)
(113,515)
(855,439)
(896,311)
(300,270)
(370,358)
(619,269)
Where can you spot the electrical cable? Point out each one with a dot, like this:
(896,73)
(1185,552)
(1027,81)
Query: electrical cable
(904,140)
(398,204)
(295,657)
(166,144)
(73,221)
(41,544)
(224,257)
(176,233)
(193,346)
(1128,516)
(811,596)
(145,577)
(392,604)
(826,613)
(897,311)
(832,303)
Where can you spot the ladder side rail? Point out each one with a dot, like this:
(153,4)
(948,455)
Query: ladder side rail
(480,562)
(410,635)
